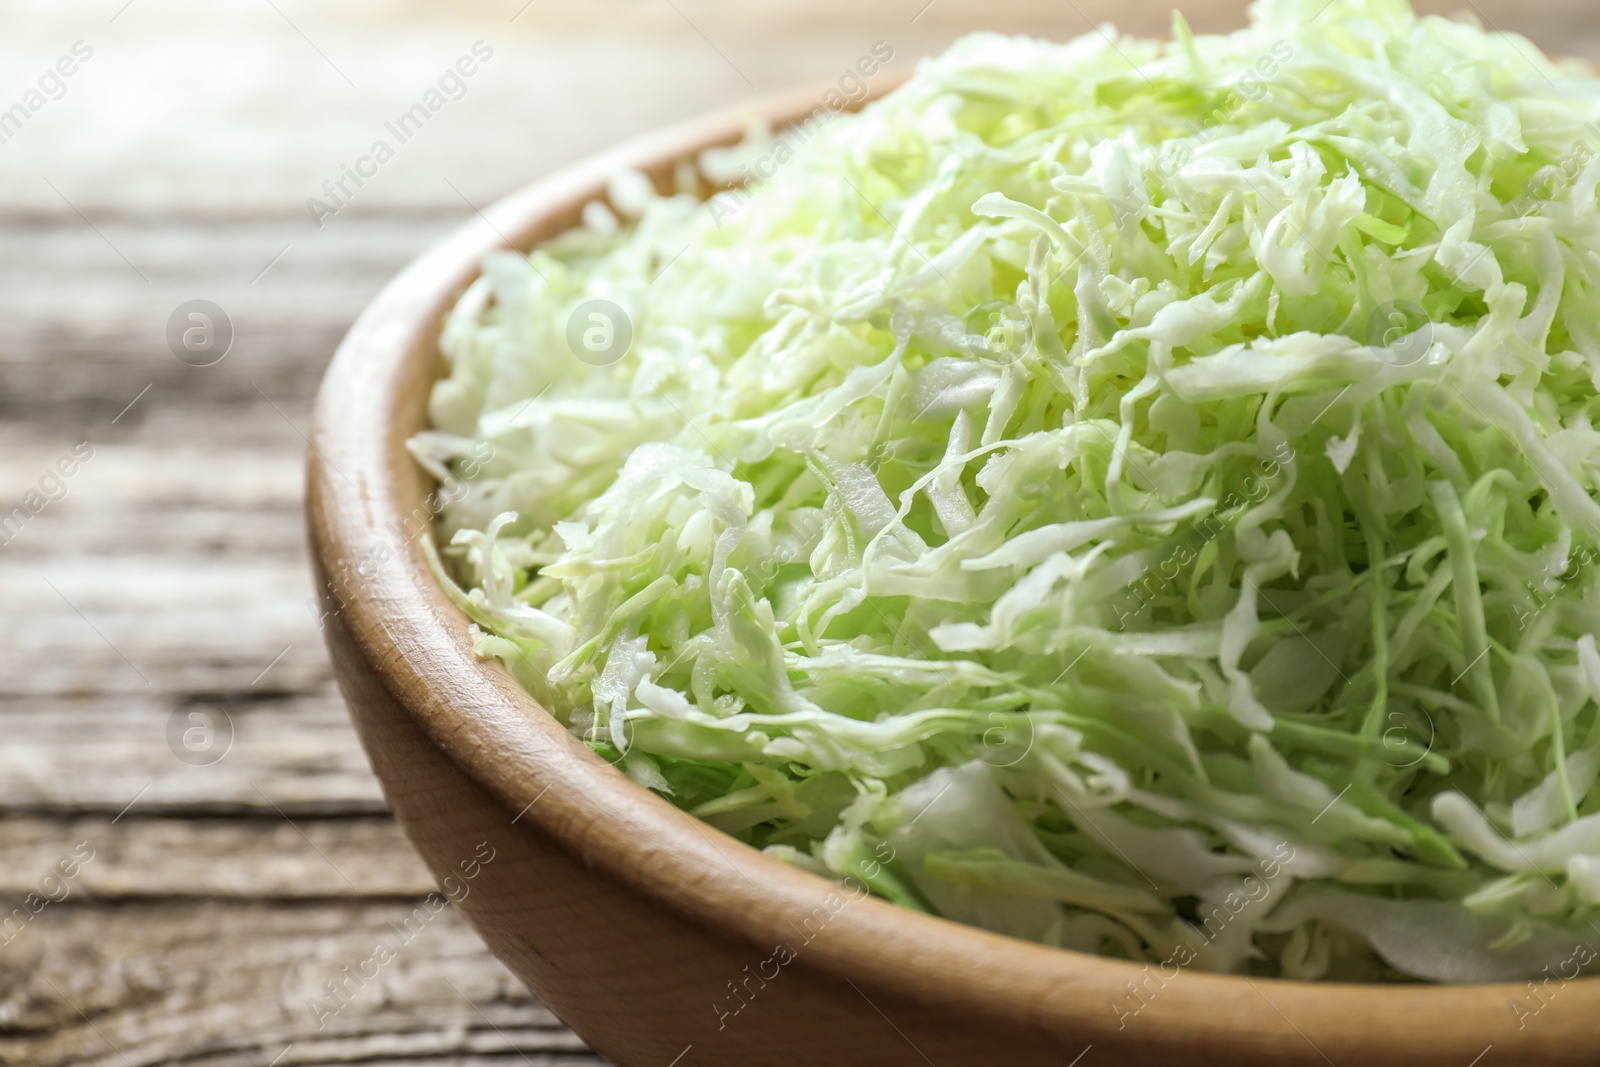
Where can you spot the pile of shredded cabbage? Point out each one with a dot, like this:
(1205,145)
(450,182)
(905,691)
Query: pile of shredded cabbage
(1137,497)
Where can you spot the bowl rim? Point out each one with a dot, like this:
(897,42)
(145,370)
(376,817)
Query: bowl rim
(364,492)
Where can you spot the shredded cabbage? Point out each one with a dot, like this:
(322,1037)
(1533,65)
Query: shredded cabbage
(1138,497)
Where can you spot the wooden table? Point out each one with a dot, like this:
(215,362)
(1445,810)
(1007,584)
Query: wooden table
(167,589)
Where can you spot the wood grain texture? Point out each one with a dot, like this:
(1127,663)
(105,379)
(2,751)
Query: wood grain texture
(238,983)
(265,857)
(178,167)
(168,579)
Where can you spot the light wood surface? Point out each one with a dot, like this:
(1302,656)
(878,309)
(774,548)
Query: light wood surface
(187,147)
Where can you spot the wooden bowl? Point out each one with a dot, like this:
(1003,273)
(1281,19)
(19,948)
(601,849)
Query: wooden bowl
(660,940)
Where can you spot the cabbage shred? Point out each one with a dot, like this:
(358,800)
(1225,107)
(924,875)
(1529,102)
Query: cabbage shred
(1136,497)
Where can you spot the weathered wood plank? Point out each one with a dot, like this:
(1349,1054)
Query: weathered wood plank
(171,581)
(268,857)
(230,984)
(160,623)
(73,362)
(217,487)
(103,755)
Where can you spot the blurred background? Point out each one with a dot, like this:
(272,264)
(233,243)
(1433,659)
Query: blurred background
(192,846)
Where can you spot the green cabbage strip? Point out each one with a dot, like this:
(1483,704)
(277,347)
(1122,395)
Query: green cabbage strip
(1135,497)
